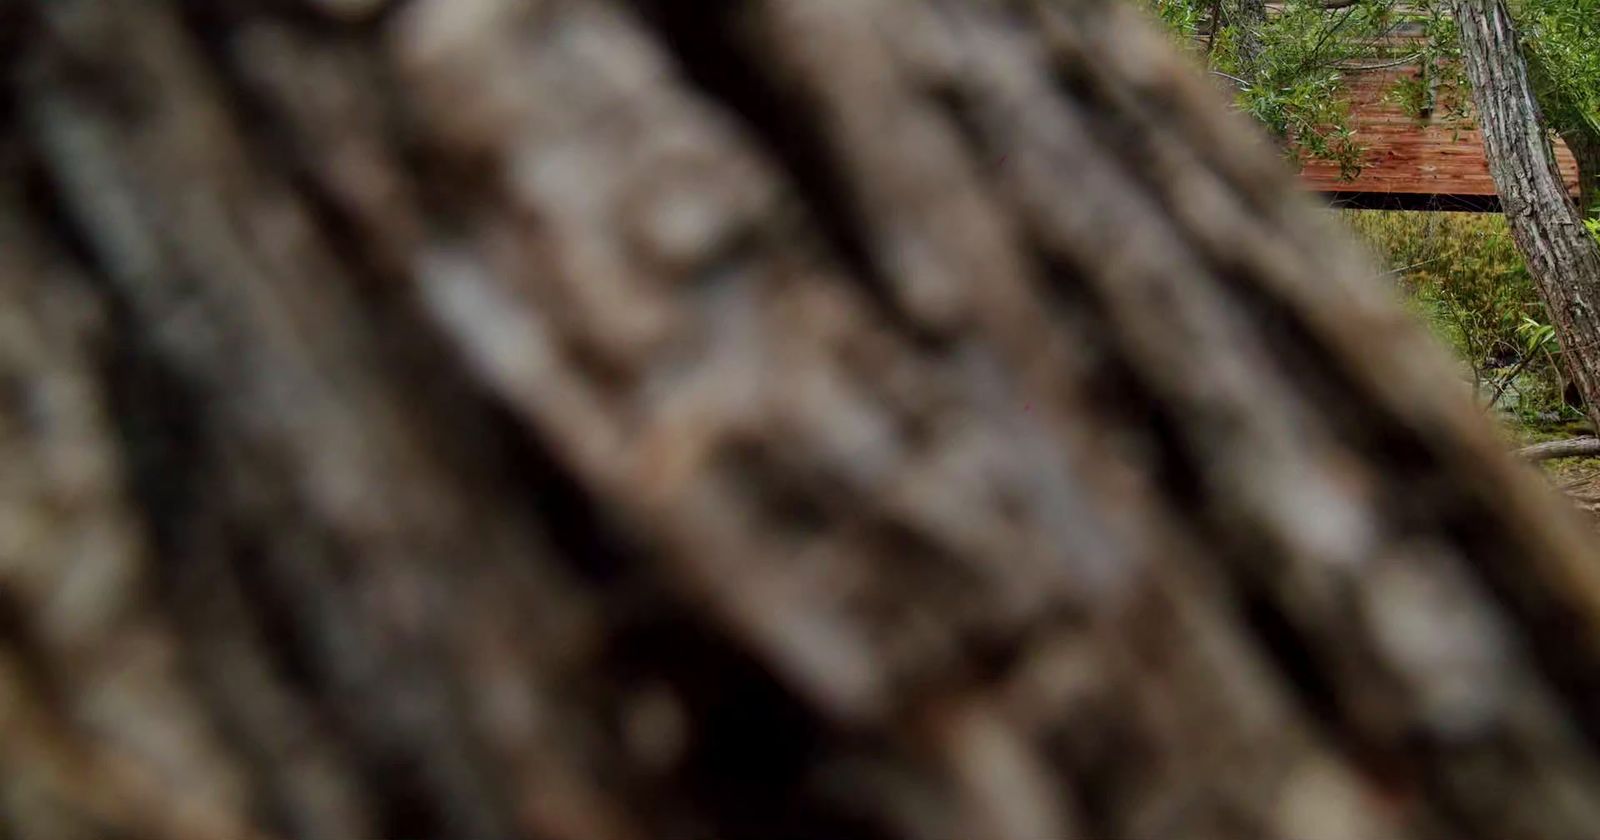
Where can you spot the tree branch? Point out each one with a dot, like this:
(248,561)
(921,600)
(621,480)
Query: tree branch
(1243,84)
(1500,390)
(1575,447)
(1357,68)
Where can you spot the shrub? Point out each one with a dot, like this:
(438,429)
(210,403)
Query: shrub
(1462,273)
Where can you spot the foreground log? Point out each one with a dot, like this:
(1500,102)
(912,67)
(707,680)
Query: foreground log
(600,420)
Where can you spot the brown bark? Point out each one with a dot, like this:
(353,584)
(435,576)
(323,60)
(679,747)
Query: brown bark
(1585,147)
(1562,256)
(593,420)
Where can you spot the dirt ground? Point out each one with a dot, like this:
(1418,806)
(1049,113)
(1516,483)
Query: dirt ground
(1579,478)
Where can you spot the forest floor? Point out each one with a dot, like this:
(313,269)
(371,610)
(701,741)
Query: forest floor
(1582,486)
(1578,478)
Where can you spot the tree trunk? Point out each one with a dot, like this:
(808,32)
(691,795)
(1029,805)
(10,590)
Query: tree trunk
(1249,16)
(1562,256)
(602,420)
(1585,147)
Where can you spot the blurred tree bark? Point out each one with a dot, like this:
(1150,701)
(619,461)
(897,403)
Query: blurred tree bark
(787,418)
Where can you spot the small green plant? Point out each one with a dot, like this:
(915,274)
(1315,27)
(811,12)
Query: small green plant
(1415,95)
(1537,338)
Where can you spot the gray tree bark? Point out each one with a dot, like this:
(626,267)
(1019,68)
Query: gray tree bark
(601,420)
(1562,256)
(1587,447)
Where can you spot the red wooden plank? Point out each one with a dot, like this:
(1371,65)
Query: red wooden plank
(1410,155)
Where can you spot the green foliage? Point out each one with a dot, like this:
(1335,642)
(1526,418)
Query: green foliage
(1416,94)
(1292,81)
(1536,337)
(1562,41)
(1182,17)
(1288,69)
(1440,91)
(1463,274)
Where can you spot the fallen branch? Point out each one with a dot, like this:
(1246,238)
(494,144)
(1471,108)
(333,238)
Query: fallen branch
(1505,383)
(1357,68)
(1560,449)
(1243,84)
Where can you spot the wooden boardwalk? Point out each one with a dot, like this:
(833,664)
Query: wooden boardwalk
(1412,163)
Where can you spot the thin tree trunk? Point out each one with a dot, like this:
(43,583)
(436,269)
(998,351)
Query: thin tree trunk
(1562,257)
(1585,147)
(1248,17)
(599,420)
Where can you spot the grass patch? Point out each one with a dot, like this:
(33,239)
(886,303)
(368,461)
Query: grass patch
(1463,276)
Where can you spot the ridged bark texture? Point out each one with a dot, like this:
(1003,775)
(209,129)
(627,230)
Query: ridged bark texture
(595,420)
